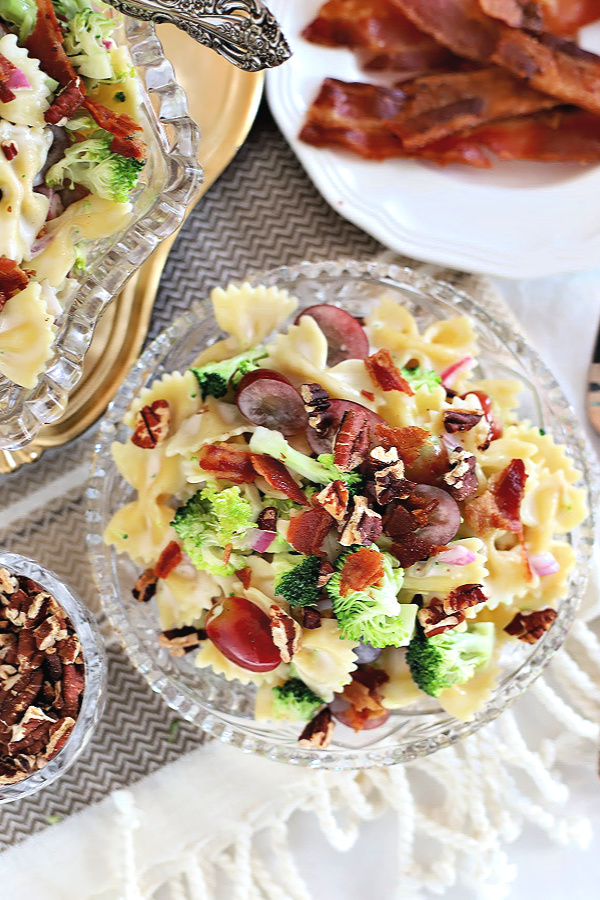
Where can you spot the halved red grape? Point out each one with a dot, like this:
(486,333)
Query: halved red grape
(346,338)
(430,464)
(323,443)
(242,632)
(488,411)
(267,398)
(444,520)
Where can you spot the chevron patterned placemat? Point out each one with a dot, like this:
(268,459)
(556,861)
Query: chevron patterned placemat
(263,212)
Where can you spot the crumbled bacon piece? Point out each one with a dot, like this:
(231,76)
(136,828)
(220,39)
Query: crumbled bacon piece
(407,441)
(334,498)
(364,696)
(361,570)
(460,420)
(311,617)
(46,44)
(12,277)
(66,102)
(409,549)
(120,125)
(6,70)
(228,462)
(277,476)
(499,506)
(9,149)
(562,17)
(307,531)
(368,395)
(385,374)
(435,620)
(352,440)
(168,560)
(398,521)
(530,626)
(245,576)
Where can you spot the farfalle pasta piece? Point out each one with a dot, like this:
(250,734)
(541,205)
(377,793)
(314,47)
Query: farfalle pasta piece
(26,335)
(249,313)
(150,472)
(141,530)
(431,576)
(400,690)
(23,211)
(326,660)
(184,595)
(463,700)
(209,657)
(29,104)
(215,422)
(179,389)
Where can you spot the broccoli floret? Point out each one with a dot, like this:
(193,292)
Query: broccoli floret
(420,377)
(215,378)
(210,521)
(295,701)
(85,38)
(438,662)
(320,470)
(299,584)
(373,614)
(92,164)
(22,14)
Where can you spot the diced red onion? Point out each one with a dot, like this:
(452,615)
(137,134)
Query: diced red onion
(338,704)
(451,442)
(460,367)
(109,44)
(262,540)
(543,564)
(456,556)
(365,653)
(17,81)
(39,245)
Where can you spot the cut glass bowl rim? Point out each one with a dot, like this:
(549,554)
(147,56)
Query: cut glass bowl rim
(176,139)
(177,695)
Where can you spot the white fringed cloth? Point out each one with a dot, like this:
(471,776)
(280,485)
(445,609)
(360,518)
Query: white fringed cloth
(220,824)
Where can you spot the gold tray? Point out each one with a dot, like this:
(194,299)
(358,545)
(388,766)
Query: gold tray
(223,100)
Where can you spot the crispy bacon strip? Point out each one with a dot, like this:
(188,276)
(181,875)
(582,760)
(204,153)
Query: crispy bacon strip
(168,560)
(439,105)
(549,63)
(278,477)
(361,570)
(66,102)
(6,69)
(307,531)
(499,506)
(410,549)
(12,278)
(382,37)
(46,44)
(245,576)
(228,462)
(120,125)
(385,374)
(407,441)
(562,17)
(561,135)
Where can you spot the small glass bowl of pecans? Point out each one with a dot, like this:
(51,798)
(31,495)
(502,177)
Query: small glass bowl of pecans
(52,676)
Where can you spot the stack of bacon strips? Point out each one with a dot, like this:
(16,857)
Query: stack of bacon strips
(475,78)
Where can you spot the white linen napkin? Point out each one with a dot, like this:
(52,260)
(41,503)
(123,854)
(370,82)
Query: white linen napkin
(214,824)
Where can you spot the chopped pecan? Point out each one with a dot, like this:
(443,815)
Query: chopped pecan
(21,695)
(286,633)
(326,571)
(179,641)
(460,420)
(72,685)
(267,519)
(33,717)
(364,525)
(145,587)
(68,651)
(461,478)
(390,484)
(318,732)
(28,656)
(311,617)
(8,582)
(53,665)
(361,570)
(168,560)
(381,458)
(59,734)
(530,626)
(385,375)
(9,772)
(463,597)
(48,632)
(316,404)
(38,609)
(435,620)
(334,499)
(152,425)
(351,441)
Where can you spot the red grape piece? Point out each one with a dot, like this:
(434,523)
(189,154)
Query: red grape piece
(431,463)
(267,398)
(324,443)
(345,337)
(242,632)
(444,520)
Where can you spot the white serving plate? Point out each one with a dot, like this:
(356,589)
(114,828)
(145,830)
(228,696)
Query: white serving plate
(517,220)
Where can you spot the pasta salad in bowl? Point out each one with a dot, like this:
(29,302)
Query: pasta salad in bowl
(94,172)
(341,518)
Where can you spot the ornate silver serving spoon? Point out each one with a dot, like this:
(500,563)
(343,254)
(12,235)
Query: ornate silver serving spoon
(243,31)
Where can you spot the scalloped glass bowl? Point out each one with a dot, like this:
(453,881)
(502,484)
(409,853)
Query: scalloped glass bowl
(168,183)
(224,708)
(94,694)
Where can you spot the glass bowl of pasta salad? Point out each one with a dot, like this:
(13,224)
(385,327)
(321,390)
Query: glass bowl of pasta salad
(340,516)
(98,163)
